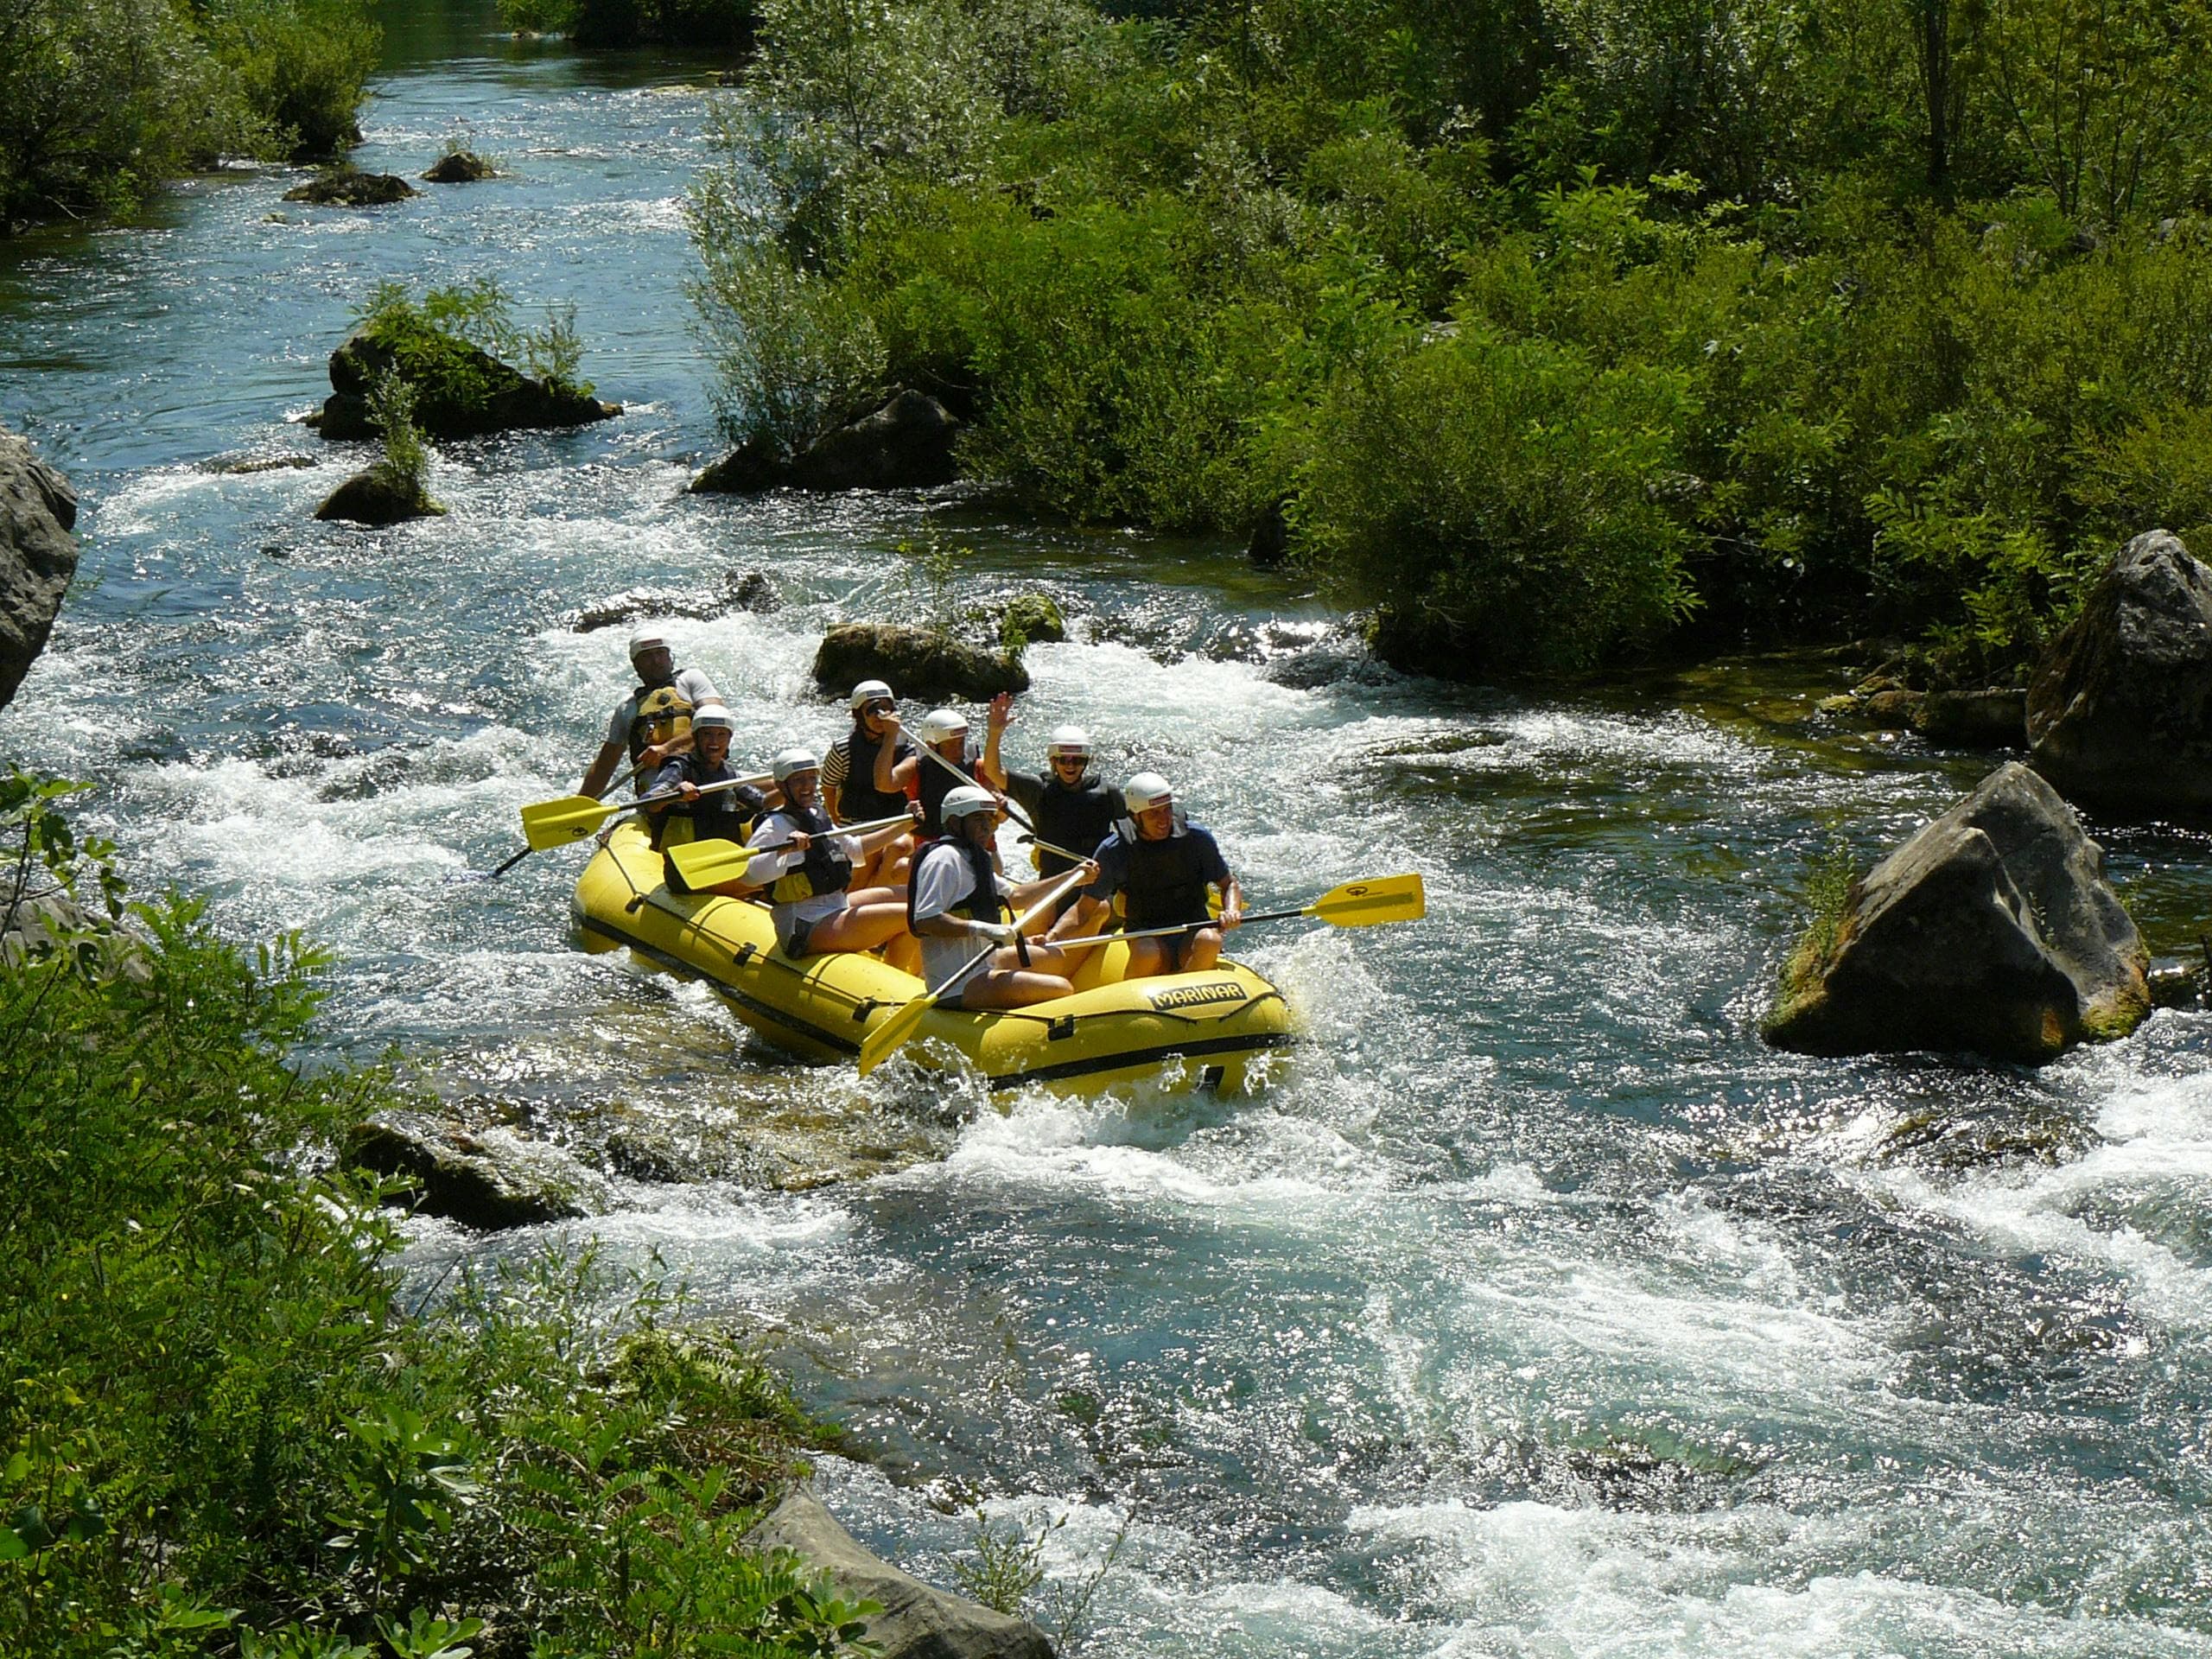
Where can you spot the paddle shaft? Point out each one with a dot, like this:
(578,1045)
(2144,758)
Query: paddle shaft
(709,789)
(1179,927)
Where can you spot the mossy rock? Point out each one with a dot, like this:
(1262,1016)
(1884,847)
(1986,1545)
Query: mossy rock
(924,662)
(379,496)
(1032,619)
(463,167)
(350,189)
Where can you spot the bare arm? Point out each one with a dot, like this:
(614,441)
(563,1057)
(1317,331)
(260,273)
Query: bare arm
(601,770)
(990,770)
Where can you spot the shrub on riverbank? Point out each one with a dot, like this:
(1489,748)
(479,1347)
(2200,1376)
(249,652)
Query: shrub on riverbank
(103,100)
(1546,364)
(221,1416)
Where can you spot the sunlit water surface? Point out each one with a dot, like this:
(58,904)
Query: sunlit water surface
(1537,1308)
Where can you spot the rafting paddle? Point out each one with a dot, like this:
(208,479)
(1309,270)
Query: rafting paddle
(1356,903)
(554,823)
(704,864)
(899,1030)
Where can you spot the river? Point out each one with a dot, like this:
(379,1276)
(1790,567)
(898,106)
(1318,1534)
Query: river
(1536,1309)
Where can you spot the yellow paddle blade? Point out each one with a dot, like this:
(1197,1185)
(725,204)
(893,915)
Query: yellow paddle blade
(709,863)
(556,823)
(893,1033)
(1365,904)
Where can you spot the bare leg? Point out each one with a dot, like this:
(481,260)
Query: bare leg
(1009,986)
(859,926)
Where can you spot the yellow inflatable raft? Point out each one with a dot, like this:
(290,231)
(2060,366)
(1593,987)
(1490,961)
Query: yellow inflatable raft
(1188,1028)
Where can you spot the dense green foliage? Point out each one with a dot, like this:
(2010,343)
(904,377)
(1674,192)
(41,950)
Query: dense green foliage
(1554,326)
(224,1430)
(101,101)
(723,24)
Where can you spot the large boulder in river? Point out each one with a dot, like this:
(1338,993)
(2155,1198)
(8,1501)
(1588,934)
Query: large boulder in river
(1992,930)
(486,1177)
(37,557)
(2119,712)
(378,496)
(907,444)
(348,188)
(919,1621)
(924,662)
(475,395)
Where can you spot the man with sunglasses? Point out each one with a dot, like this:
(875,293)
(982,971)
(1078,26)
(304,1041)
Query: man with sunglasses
(1070,805)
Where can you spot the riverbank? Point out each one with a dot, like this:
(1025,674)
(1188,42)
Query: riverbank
(1474,334)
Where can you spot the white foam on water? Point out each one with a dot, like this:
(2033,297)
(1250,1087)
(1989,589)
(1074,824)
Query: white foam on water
(1532,1579)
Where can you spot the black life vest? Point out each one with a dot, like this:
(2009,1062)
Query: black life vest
(823,870)
(726,815)
(1077,819)
(1165,884)
(664,715)
(983,902)
(937,783)
(859,800)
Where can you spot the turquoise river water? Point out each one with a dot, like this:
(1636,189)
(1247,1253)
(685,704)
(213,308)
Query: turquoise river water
(1537,1308)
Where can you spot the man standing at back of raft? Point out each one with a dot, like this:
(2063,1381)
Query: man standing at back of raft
(652,717)
(807,868)
(849,790)
(958,906)
(1161,865)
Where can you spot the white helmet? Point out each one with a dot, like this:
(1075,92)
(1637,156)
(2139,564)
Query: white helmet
(939,724)
(713,717)
(966,799)
(1068,739)
(1147,789)
(642,643)
(869,691)
(793,761)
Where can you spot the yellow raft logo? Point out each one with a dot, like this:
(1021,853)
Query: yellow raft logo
(1194,996)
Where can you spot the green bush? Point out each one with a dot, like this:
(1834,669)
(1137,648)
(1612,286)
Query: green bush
(221,1428)
(101,101)
(303,66)
(456,345)
(1502,503)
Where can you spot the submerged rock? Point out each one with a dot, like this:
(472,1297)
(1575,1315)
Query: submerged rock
(490,1179)
(919,1621)
(1994,719)
(1992,930)
(741,590)
(500,399)
(38,555)
(906,444)
(2119,712)
(463,167)
(352,189)
(924,662)
(379,496)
